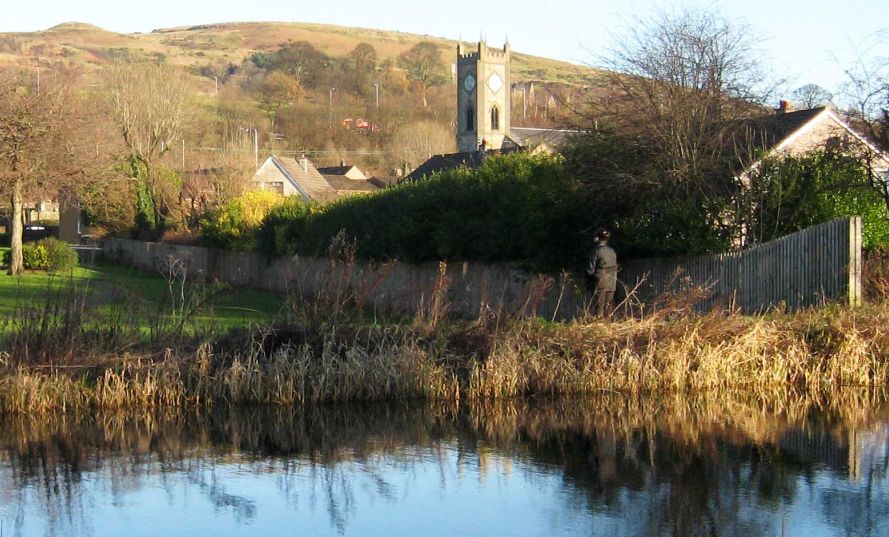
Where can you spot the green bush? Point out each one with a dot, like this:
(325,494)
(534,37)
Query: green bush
(61,257)
(518,207)
(795,192)
(49,254)
(35,256)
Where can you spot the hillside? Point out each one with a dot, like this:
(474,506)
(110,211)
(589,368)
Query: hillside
(221,60)
(196,46)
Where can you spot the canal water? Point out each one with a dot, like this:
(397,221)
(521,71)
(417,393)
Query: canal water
(608,466)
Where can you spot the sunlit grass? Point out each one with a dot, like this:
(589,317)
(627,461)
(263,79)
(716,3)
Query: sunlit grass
(109,287)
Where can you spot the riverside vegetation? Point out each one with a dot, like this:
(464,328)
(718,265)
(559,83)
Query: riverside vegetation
(72,351)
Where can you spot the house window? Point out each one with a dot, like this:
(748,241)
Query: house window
(470,119)
(495,118)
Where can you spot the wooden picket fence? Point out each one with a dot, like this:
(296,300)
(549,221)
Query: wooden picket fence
(819,264)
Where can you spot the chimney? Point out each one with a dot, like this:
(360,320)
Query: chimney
(304,162)
(343,163)
(784,106)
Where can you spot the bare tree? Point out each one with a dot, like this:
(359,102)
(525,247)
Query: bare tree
(42,146)
(810,96)
(866,91)
(423,66)
(661,126)
(150,106)
(680,79)
(415,142)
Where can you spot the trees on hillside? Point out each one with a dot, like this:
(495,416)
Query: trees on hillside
(423,66)
(276,91)
(150,107)
(45,146)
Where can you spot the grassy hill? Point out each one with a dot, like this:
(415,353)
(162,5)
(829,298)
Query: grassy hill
(84,44)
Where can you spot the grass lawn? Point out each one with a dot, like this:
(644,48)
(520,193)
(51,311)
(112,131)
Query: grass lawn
(111,286)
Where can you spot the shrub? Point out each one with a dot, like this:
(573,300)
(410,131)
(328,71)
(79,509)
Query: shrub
(233,225)
(796,192)
(35,256)
(518,207)
(49,254)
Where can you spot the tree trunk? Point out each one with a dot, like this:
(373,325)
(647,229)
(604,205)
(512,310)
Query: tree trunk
(16,264)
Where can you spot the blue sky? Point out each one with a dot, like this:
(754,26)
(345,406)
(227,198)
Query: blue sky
(804,41)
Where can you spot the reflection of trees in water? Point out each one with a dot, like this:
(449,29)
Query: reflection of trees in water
(674,466)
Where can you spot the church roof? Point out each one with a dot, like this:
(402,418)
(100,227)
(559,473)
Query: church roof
(450,161)
(533,137)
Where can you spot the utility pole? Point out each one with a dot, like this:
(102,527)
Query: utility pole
(330,109)
(256,147)
(183,154)
(377,87)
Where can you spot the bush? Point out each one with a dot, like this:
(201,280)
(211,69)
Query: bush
(233,225)
(35,256)
(518,207)
(795,192)
(49,254)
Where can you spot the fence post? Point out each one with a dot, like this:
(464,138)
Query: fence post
(855,261)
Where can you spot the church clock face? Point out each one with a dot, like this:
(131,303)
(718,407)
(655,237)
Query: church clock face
(469,83)
(495,82)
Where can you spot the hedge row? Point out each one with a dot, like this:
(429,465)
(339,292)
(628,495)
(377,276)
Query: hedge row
(520,207)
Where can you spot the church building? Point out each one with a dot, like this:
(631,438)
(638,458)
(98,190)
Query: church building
(483,114)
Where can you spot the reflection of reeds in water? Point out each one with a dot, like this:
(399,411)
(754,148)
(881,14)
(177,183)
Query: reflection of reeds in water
(601,444)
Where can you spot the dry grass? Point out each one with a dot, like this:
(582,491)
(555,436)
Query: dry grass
(328,351)
(811,352)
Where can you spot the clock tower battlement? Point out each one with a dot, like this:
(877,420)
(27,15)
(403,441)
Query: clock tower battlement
(483,97)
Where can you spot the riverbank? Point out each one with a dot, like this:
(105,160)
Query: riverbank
(317,356)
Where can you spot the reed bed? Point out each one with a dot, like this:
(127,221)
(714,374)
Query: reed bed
(60,356)
(814,351)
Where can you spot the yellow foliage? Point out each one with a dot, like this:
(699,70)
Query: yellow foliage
(256,204)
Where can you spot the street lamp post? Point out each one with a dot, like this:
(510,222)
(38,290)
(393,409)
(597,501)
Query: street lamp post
(330,108)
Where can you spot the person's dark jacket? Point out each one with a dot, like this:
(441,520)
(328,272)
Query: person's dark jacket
(603,267)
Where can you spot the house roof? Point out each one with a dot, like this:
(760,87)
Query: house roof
(781,131)
(306,179)
(342,183)
(767,132)
(519,139)
(383,182)
(335,170)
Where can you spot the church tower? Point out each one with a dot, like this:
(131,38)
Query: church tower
(483,90)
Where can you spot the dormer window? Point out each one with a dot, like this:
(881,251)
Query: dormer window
(495,118)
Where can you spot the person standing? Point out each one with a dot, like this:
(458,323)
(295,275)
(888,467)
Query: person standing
(602,271)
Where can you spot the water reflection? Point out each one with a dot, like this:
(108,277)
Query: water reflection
(603,466)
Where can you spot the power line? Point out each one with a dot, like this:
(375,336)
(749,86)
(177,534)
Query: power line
(297,151)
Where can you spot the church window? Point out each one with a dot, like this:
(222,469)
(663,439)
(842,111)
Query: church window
(470,119)
(495,118)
